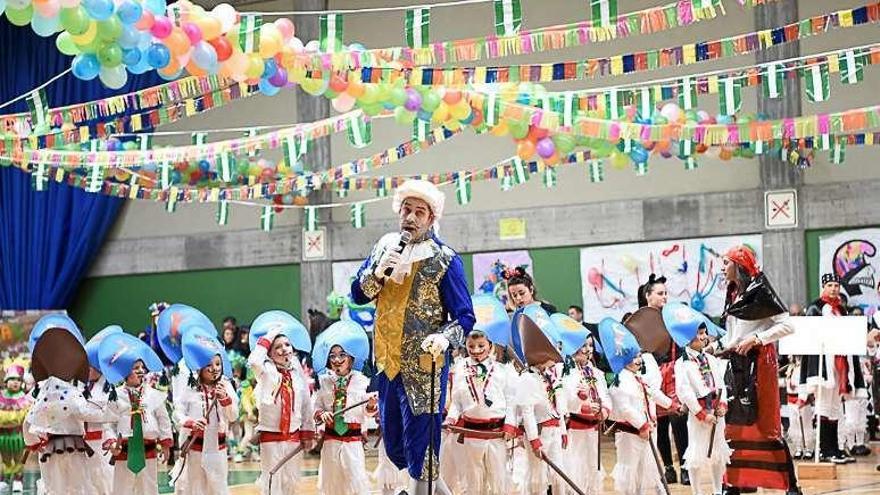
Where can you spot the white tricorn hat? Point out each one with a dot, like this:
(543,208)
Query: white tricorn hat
(423,190)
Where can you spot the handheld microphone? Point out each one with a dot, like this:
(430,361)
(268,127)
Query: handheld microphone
(405,238)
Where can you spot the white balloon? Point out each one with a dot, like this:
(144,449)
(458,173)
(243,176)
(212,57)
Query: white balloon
(296,44)
(115,77)
(313,46)
(226,14)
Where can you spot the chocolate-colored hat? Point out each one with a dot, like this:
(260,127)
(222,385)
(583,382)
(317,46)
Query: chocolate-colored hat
(537,347)
(647,326)
(60,354)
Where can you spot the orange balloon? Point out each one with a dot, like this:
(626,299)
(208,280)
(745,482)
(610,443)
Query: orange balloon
(211,27)
(452,97)
(500,129)
(552,159)
(177,42)
(146,21)
(195,70)
(525,149)
(355,88)
(170,69)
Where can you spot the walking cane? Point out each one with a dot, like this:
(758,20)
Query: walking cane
(431,430)
(803,435)
(712,439)
(289,456)
(659,466)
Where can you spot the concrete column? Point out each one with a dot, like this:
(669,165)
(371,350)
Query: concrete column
(316,277)
(784,252)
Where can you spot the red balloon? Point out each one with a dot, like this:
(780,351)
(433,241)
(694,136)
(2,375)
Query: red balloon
(338,84)
(478,117)
(537,133)
(223,48)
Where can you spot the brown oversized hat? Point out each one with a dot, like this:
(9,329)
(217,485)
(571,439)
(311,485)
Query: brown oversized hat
(536,346)
(57,353)
(647,326)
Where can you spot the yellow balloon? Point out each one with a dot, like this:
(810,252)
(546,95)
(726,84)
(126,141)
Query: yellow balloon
(271,40)
(460,111)
(452,125)
(255,65)
(441,114)
(88,36)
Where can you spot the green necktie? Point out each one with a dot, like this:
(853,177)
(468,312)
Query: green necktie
(339,424)
(137,457)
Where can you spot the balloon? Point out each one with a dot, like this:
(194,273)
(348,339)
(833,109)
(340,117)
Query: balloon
(372,109)
(98,10)
(110,55)
(20,17)
(85,66)
(270,41)
(75,20)
(269,67)
(2,6)
(146,21)
(452,97)
(222,47)
(19,4)
(142,66)
(87,37)
(64,43)
(285,27)
(158,55)
(518,129)
(343,103)
(45,27)
(226,14)
(413,100)
(204,55)
(131,56)
(268,88)
(47,8)
(525,149)
(192,32)
(279,78)
(157,7)
(638,154)
(441,114)
(110,29)
(255,66)
(129,11)
(210,27)
(404,116)
(338,83)
(162,27)
(430,101)
(129,37)
(460,111)
(565,143)
(545,147)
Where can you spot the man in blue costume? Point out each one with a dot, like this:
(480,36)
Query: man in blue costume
(422,306)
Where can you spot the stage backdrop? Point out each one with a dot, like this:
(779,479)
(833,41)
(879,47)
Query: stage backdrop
(611,275)
(343,274)
(489,267)
(852,255)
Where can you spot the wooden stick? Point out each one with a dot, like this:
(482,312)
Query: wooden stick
(712,439)
(659,465)
(561,474)
(291,455)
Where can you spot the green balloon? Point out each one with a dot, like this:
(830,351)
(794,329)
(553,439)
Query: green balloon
(65,44)
(20,17)
(372,109)
(243,168)
(404,116)
(383,92)
(564,142)
(518,129)
(91,47)
(110,55)
(370,95)
(109,30)
(398,96)
(330,94)
(75,21)
(430,101)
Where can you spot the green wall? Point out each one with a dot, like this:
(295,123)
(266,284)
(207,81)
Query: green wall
(558,276)
(240,292)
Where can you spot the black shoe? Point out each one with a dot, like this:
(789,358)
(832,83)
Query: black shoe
(670,475)
(846,456)
(861,450)
(794,491)
(729,490)
(685,477)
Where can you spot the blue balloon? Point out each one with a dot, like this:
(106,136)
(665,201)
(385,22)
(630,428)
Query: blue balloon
(158,55)
(269,68)
(724,119)
(99,10)
(267,88)
(205,56)
(150,167)
(45,26)
(638,155)
(129,37)
(175,176)
(131,56)
(85,66)
(129,12)
(141,67)
(157,7)
(204,166)
(2,6)
(424,115)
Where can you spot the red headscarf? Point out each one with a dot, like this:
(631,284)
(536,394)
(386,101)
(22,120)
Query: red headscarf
(745,258)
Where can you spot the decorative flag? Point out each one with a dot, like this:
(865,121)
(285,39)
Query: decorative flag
(508,17)
(687,96)
(417,27)
(267,218)
(646,102)
(506,182)
(851,67)
(171,204)
(730,97)
(357,215)
(252,132)
(331,33)
(604,13)
(199,138)
(381,190)
(222,212)
(96,178)
(342,192)
(360,131)
(823,142)
(145,141)
(463,188)
(492,109)
(759,147)
(224,166)
(690,163)
(774,79)
(310,222)
(520,171)
(641,168)
(818,83)
(421,130)
(596,170)
(38,105)
(40,177)
(165,175)
(613,104)
(568,109)
(838,151)
(687,147)
(549,177)
(294,147)
(249,33)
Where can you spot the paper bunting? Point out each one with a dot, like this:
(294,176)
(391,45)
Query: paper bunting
(614,104)
(421,130)
(506,182)
(520,172)
(38,104)
(687,97)
(641,168)
(646,102)
(357,215)
(549,177)
(96,179)
(851,67)
(40,179)
(417,27)
(310,218)
(596,171)
(171,201)
(164,175)
(690,163)
(199,138)
(360,131)
(817,83)
(267,218)
(774,79)
(249,33)
(331,33)
(463,188)
(730,97)
(508,17)
(604,13)
(838,152)
(222,212)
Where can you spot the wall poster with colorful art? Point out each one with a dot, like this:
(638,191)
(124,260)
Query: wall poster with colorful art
(852,256)
(489,271)
(611,275)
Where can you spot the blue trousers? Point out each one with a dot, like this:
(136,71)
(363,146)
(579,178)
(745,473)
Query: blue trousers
(406,434)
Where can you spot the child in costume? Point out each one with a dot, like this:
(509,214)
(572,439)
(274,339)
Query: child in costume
(633,410)
(97,391)
(286,420)
(142,423)
(542,401)
(700,386)
(203,413)
(799,411)
(340,353)
(14,404)
(589,405)
(53,427)
(389,479)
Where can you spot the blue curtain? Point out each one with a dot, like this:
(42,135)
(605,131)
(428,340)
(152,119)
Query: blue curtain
(48,239)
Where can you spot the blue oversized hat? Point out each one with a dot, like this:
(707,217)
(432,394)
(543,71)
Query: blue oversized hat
(289,326)
(120,351)
(618,344)
(94,344)
(572,333)
(199,347)
(491,318)
(682,322)
(346,334)
(713,329)
(172,324)
(55,320)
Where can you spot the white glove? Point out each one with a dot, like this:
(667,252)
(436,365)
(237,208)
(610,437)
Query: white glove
(390,259)
(435,344)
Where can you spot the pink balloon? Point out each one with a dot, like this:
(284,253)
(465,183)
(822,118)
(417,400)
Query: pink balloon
(184,59)
(343,103)
(595,278)
(296,44)
(161,27)
(192,32)
(285,26)
(48,9)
